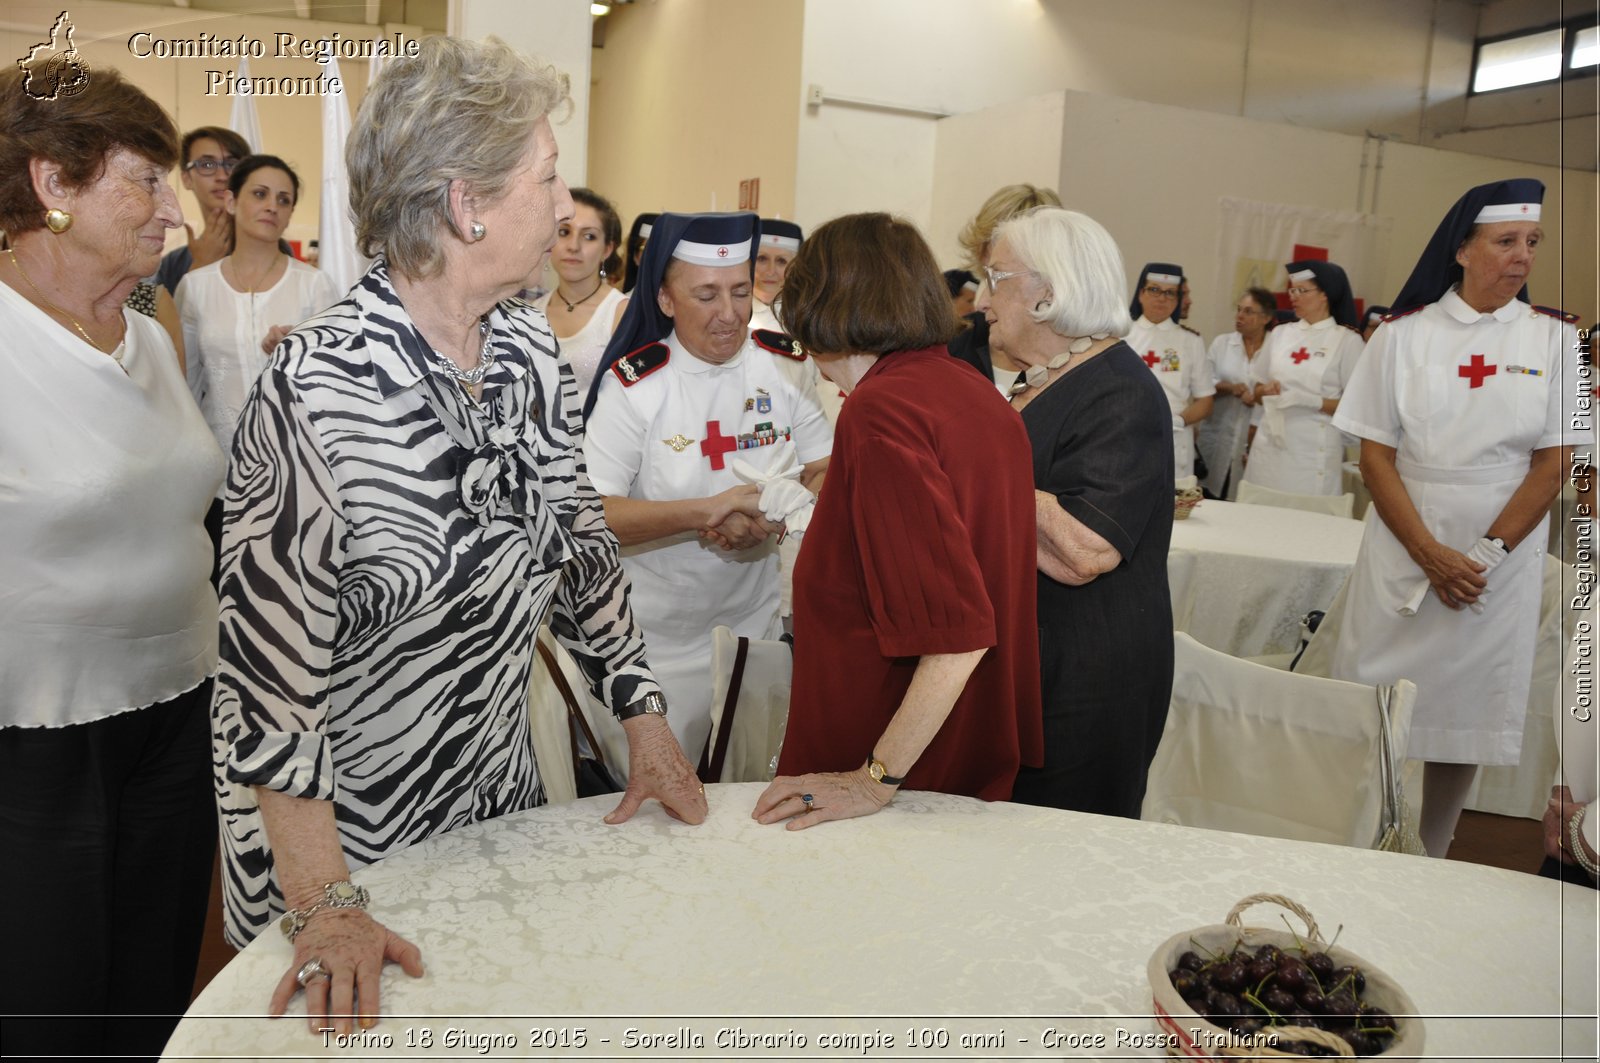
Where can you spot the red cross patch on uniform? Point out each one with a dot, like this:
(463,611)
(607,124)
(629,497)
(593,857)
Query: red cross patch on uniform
(1476,371)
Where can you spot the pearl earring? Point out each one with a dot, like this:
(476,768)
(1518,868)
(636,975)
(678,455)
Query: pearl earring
(477,230)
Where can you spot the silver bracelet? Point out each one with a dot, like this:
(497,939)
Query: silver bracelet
(1575,842)
(341,894)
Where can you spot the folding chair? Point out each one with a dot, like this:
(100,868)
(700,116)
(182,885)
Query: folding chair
(1333,505)
(1259,751)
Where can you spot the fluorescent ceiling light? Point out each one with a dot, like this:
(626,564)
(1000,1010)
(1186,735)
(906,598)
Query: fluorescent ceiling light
(1586,49)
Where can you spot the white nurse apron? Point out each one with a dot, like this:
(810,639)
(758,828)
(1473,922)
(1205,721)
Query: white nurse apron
(1297,448)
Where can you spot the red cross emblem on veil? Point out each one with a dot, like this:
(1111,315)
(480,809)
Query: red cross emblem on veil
(722,252)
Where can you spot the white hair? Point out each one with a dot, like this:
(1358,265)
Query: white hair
(1074,256)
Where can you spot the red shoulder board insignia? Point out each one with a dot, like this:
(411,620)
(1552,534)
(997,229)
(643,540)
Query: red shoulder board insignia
(1550,311)
(778,343)
(1406,313)
(632,368)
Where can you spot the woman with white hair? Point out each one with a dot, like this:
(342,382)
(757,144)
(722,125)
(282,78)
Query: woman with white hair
(1101,432)
(406,499)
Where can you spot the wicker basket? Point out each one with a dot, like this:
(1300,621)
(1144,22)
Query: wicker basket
(1184,501)
(1193,1037)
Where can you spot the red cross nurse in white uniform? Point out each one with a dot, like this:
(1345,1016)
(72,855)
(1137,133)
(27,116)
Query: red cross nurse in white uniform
(1176,354)
(1308,363)
(1463,403)
(682,393)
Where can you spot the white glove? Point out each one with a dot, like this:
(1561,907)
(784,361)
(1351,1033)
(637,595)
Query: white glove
(1487,554)
(1413,601)
(783,500)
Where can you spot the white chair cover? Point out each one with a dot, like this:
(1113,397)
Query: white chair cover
(547,716)
(1277,754)
(1333,505)
(762,711)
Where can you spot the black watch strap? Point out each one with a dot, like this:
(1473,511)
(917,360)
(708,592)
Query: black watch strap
(649,705)
(880,772)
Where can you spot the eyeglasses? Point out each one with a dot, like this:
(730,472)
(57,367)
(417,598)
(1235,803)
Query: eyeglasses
(995,277)
(1303,291)
(1159,293)
(209,165)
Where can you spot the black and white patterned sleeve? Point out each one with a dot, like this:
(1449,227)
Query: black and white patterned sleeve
(593,617)
(281,553)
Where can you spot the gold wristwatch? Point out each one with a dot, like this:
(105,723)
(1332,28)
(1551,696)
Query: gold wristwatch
(879,773)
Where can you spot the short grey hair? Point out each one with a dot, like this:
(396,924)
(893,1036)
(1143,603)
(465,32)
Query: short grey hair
(1076,258)
(458,110)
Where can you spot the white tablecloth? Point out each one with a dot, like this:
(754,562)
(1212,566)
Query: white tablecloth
(1016,919)
(1242,575)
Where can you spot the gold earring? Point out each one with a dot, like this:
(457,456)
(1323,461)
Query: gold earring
(57,220)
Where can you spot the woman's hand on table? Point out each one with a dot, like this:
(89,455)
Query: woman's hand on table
(1557,811)
(834,795)
(1455,577)
(657,769)
(353,948)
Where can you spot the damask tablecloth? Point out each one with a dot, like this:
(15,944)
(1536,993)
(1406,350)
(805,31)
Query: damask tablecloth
(1242,576)
(1025,930)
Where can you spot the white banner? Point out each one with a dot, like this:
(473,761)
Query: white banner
(1257,238)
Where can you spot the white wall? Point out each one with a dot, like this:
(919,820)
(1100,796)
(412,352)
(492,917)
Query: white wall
(693,96)
(1159,198)
(559,35)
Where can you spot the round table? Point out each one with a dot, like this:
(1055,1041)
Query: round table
(1243,575)
(940,917)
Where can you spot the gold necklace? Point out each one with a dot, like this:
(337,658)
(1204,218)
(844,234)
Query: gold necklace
(251,289)
(112,354)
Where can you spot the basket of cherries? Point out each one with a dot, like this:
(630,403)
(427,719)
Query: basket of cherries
(1238,992)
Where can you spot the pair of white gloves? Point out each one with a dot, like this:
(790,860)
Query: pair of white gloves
(783,500)
(1485,553)
(1272,407)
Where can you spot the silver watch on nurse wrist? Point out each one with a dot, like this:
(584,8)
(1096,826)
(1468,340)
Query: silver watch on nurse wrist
(649,705)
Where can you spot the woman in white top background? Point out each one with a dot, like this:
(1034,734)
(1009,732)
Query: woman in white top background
(1224,435)
(583,309)
(235,310)
(1303,374)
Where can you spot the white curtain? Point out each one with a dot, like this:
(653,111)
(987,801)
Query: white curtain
(336,235)
(242,119)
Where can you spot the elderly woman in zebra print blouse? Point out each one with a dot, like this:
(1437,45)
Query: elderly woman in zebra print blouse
(406,499)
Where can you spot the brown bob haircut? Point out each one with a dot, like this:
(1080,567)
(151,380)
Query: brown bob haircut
(78,132)
(866,284)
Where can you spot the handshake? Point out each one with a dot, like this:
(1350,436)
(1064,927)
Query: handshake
(767,503)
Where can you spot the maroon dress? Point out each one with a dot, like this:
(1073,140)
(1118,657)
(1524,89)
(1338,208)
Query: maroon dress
(922,543)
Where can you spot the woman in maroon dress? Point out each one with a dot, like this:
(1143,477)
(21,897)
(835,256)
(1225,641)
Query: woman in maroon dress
(916,647)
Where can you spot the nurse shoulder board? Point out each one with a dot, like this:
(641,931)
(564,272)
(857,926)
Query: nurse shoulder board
(632,368)
(778,343)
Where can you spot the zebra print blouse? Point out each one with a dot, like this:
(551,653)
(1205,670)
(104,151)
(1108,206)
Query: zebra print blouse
(389,548)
